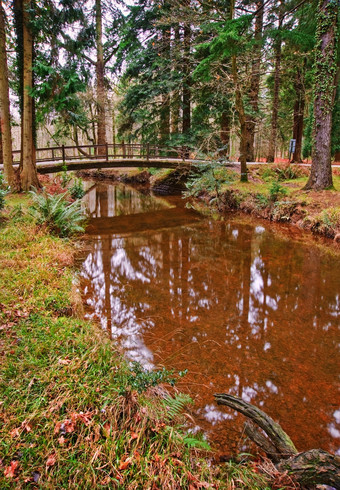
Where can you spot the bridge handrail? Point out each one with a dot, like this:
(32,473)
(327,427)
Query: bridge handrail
(111,151)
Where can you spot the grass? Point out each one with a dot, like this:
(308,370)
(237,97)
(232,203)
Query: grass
(71,412)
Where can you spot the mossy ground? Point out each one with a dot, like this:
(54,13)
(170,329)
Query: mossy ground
(70,417)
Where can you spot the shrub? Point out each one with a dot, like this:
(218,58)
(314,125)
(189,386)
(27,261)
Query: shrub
(276,191)
(77,190)
(209,178)
(262,201)
(288,172)
(61,217)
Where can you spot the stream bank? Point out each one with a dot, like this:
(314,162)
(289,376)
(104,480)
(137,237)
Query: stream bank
(73,412)
(274,193)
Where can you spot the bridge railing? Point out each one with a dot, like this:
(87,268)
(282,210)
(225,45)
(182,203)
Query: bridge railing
(109,152)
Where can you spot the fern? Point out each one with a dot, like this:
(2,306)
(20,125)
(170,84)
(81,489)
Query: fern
(57,213)
(192,441)
(176,405)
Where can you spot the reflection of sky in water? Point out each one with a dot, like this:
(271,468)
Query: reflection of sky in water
(230,303)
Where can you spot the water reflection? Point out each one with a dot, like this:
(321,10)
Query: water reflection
(247,313)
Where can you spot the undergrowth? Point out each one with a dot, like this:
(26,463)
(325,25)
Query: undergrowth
(55,212)
(72,415)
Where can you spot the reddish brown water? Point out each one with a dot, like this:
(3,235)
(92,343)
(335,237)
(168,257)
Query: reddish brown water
(246,310)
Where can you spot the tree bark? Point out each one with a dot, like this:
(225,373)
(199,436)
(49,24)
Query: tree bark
(28,176)
(299,109)
(309,468)
(243,123)
(165,108)
(186,107)
(175,97)
(325,69)
(255,81)
(281,441)
(225,132)
(277,81)
(100,79)
(5,123)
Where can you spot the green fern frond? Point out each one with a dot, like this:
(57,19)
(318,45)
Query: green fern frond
(176,405)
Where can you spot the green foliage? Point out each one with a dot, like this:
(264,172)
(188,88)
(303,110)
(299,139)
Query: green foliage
(140,379)
(18,213)
(267,173)
(262,200)
(175,405)
(327,222)
(54,211)
(288,172)
(276,191)
(209,178)
(65,176)
(77,189)
(280,172)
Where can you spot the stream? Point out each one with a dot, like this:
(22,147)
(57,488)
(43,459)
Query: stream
(247,307)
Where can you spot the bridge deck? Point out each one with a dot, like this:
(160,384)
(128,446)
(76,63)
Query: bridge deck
(74,165)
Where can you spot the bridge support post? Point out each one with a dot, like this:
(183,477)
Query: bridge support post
(107,151)
(148,151)
(63,152)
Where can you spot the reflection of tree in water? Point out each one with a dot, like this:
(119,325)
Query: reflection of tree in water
(246,313)
(103,200)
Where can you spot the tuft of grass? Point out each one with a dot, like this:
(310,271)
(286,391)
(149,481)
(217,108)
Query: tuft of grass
(71,415)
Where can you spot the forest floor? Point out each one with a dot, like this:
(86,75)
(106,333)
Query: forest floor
(73,413)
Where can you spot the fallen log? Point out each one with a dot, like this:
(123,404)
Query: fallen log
(312,467)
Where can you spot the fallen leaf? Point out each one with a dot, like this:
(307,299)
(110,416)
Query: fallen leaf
(134,436)
(57,428)
(64,361)
(136,455)
(107,429)
(27,427)
(15,432)
(51,460)
(61,440)
(124,464)
(11,469)
(105,481)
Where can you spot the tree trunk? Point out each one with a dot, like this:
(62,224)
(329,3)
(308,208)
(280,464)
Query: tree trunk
(5,124)
(165,108)
(309,468)
(299,109)
(255,81)
(29,176)
(242,119)
(175,98)
(324,93)
(225,132)
(100,79)
(277,80)
(186,81)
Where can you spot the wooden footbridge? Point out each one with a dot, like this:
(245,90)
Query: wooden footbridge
(80,157)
